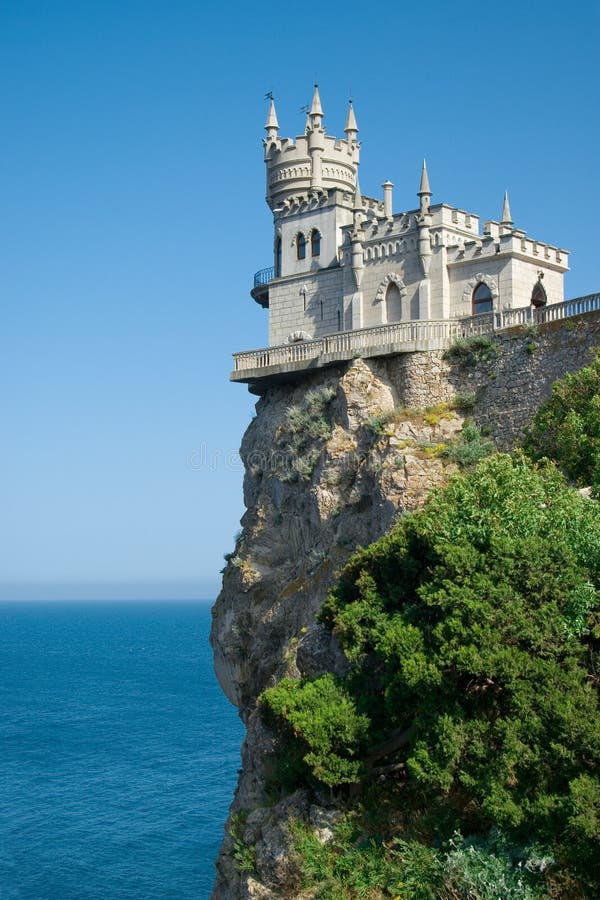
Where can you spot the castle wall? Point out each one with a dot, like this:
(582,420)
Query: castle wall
(328,221)
(317,316)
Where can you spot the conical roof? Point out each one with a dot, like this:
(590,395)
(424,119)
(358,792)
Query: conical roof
(424,189)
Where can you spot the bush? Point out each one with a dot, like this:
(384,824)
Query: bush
(470,448)
(472,632)
(566,428)
(469,351)
(321,714)
(304,423)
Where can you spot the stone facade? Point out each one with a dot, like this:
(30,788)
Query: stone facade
(344,261)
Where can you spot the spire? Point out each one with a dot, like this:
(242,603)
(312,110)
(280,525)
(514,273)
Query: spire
(424,189)
(315,109)
(271,125)
(424,192)
(506,217)
(358,206)
(351,126)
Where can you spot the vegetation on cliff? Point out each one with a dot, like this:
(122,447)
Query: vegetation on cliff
(471,706)
(567,427)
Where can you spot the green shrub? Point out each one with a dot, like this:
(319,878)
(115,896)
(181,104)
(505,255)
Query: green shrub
(469,448)
(472,633)
(322,715)
(566,428)
(469,351)
(305,423)
(489,869)
(244,855)
(465,400)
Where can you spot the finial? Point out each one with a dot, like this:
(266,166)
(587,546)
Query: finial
(351,126)
(271,125)
(424,189)
(357,197)
(315,109)
(506,217)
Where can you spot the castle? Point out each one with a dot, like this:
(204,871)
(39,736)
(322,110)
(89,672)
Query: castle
(347,264)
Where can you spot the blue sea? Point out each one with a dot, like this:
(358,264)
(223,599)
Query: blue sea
(118,752)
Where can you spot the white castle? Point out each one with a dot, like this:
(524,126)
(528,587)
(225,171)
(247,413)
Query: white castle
(344,262)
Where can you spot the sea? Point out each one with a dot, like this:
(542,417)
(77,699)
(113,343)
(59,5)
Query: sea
(118,751)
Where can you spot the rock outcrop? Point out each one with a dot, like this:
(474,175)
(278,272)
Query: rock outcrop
(330,465)
(331,462)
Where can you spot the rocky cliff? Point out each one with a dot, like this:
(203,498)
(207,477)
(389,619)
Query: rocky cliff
(331,462)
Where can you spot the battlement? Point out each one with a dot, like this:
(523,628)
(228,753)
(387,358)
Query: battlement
(511,244)
(313,161)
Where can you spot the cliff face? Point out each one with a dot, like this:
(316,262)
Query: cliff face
(331,462)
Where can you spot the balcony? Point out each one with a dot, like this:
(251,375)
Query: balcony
(260,291)
(279,362)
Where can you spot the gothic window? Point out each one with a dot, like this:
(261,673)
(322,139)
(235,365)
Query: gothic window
(278,258)
(482,299)
(538,294)
(315,242)
(393,303)
(300,246)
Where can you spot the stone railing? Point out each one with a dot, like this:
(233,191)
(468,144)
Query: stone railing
(398,337)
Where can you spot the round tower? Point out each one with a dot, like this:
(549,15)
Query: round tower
(312,163)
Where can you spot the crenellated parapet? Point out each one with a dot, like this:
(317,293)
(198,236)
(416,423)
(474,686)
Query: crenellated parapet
(513,244)
(313,161)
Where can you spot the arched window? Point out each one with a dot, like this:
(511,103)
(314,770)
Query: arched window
(538,294)
(483,301)
(393,303)
(278,258)
(315,242)
(300,246)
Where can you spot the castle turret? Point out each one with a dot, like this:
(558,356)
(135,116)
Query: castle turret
(351,128)
(424,192)
(316,140)
(424,221)
(271,125)
(506,221)
(313,161)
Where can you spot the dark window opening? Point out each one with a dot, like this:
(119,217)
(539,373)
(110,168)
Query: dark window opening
(538,295)
(483,301)
(278,258)
(315,243)
(300,247)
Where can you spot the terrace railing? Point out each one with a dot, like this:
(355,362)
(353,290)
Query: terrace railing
(399,337)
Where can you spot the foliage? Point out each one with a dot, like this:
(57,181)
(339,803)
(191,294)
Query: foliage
(243,854)
(322,716)
(469,351)
(465,400)
(472,631)
(429,415)
(470,448)
(306,422)
(566,428)
(354,865)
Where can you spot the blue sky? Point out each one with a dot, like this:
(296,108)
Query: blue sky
(133,219)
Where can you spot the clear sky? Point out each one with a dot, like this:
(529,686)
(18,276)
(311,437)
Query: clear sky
(133,218)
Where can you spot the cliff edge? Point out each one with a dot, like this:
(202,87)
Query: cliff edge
(331,462)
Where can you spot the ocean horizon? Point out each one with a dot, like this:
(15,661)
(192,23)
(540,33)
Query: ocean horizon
(120,752)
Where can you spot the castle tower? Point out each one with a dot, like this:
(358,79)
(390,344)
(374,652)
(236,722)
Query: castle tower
(310,189)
